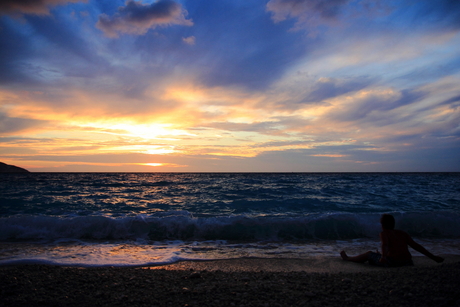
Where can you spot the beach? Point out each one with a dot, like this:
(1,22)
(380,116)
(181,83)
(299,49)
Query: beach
(235,282)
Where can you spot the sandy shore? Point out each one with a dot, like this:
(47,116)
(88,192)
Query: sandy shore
(241,282)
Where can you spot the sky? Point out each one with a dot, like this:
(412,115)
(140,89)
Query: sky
(230,85)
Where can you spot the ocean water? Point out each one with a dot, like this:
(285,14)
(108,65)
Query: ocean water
(134,219)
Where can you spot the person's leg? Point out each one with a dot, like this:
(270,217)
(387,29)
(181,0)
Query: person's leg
(360,258)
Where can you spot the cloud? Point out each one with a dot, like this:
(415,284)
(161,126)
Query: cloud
(307,12)
(331,87)
(259,127)
(375,106)
(189,40)
(13,48)
(326,9)
(455,101)
(12,125)
(37,7)
(314,13)
(137,18)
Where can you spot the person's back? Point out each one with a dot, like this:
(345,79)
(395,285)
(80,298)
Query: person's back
(396,243)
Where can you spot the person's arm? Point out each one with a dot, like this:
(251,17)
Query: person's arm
(384,247)
(422,250)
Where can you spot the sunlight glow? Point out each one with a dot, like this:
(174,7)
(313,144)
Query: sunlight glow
(153,164)
(145,149)
(150,131)
(162,165)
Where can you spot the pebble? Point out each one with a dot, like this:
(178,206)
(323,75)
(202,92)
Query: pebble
(408,288)
(393,292)
(195,275)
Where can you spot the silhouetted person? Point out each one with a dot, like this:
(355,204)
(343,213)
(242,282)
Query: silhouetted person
(395,251)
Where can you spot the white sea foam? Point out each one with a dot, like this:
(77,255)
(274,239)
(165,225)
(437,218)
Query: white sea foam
(132,253)
(183,226)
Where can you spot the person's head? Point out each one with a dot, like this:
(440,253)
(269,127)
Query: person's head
(387,221)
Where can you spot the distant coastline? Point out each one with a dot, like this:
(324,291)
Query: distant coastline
(6,168)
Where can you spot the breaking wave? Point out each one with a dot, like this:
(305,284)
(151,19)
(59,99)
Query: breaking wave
(181,225)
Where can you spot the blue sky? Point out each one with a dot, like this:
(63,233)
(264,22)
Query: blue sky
(217,85)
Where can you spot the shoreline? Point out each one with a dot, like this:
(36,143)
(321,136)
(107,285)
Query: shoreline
(235,282)
(329,265)
(312,264)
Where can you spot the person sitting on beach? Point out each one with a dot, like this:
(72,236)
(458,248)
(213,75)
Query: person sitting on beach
(395,250)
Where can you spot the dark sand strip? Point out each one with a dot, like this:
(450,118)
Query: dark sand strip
(242,282)
(310,265)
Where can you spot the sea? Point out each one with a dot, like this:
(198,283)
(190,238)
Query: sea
(149,219)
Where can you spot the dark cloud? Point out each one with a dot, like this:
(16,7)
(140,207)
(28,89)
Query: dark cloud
(374,108)
(430,73)
(138,18)
(316,159)
(453,101)
(325,9)
(13,49)
(308,13)
(407,97)
(10,125)
(314,15)
(447,129)
(271,128)
(327,88)
(358,158)
(38,7)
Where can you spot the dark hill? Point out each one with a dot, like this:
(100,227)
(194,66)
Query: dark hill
(5,168)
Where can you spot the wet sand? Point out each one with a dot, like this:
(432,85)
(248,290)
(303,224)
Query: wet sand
(239,282)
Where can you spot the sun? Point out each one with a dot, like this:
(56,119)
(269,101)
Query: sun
(153,164)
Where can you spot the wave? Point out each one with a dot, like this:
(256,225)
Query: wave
(181,225)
